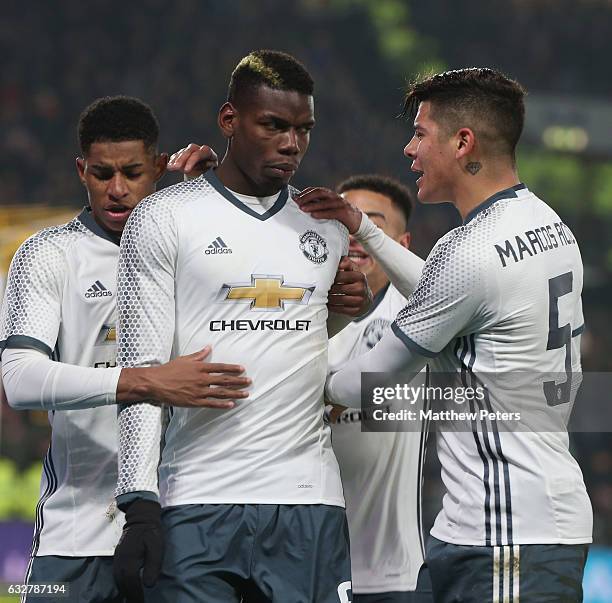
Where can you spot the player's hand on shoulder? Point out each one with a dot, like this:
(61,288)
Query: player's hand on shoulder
(350,293)
(190,381)
(325,204)
(193,160)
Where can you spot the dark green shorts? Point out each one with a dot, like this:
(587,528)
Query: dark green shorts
(526,573)
(90,579)
(254,554)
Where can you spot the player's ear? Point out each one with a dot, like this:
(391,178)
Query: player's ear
(227,118)
(404,240)
(465,141)
(80,166)
(161,161)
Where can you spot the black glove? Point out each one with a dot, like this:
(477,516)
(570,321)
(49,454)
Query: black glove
(141,547)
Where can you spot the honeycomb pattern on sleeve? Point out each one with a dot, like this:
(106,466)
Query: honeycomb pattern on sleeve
(140,430)
(34,286)
(145,310)
(454,282)
(145,280)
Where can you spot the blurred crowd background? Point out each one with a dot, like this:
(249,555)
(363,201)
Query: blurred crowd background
(178,56)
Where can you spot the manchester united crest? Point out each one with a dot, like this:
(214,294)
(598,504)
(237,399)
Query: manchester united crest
(314,247)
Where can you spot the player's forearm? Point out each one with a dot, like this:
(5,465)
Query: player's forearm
(403,267)
(140,432)
(34,382)
(147,255)
(390,355)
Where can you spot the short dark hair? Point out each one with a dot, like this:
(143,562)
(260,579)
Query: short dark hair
(115,119)
(400,195)
(483,99)
(272,68)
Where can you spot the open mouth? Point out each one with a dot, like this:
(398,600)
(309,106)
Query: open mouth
(359,257)
(117,213)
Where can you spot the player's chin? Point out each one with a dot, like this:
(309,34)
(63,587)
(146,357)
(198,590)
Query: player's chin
(424,195)
(279,177)
(113,223)
(279,183)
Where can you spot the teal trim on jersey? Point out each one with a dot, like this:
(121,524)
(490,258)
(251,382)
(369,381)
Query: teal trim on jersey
(124,500)
(507,193)
(411,345)
(86,218)
(214,181)
(30,343)
(375,303)
(52,483)
(578,330)
(421,467)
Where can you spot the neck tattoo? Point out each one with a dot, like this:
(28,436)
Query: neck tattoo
(473,167)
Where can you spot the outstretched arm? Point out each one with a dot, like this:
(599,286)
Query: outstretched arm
(403,267)
(389,355)
(35,382)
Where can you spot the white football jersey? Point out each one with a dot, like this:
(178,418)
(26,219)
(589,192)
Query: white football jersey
(499,303)
(60,299)
(381,472)
(198,266)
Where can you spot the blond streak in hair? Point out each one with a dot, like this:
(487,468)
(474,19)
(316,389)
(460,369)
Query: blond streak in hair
(256,64)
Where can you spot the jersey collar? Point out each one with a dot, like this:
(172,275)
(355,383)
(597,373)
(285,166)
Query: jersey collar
(87,219)
(507,193)
(214,181)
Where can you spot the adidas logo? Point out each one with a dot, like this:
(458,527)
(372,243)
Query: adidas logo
(97,290)
(217,246)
